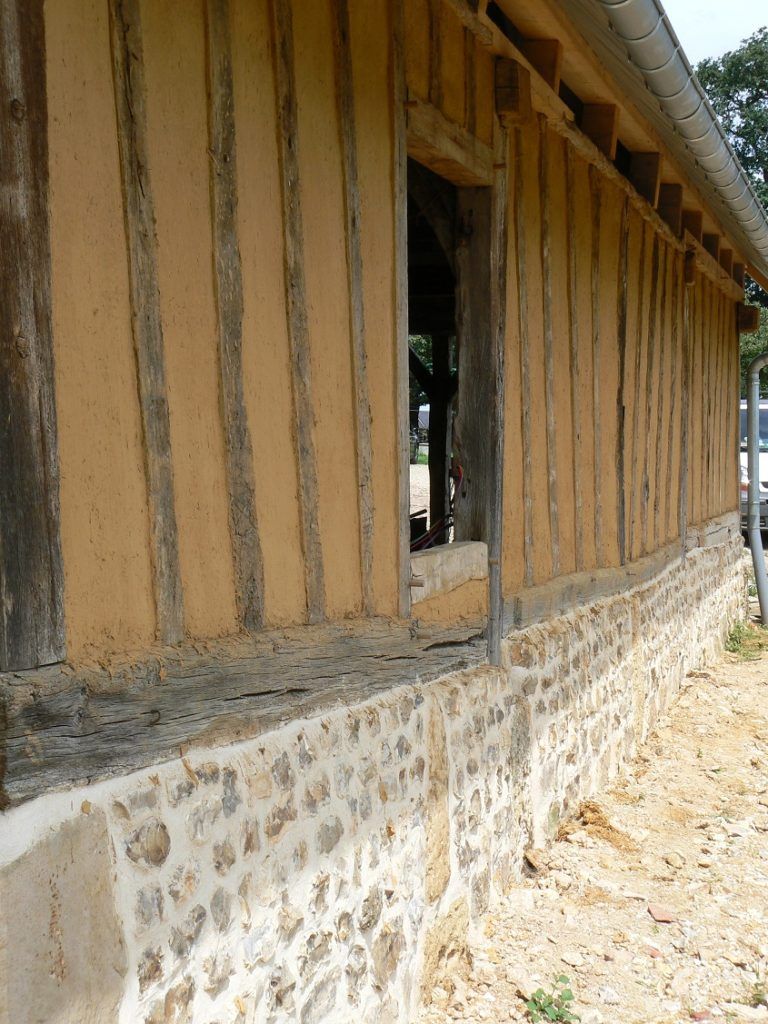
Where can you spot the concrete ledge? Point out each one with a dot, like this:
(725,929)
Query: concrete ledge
(442,569)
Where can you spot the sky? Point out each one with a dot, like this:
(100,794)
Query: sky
(708,28)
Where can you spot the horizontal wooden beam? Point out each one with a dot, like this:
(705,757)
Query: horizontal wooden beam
(514,104)
(747,318)
(726,261)
(60,730)
(670,206)
(600,122)
(738,273)
(446,148)
(701,260)
(546,55)
(693,221)
(645,175)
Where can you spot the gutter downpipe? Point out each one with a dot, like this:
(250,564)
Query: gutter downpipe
(753,471)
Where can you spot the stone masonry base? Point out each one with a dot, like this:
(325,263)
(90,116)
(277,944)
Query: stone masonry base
(323,872)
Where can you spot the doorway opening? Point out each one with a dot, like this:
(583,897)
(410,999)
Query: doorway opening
(433,357)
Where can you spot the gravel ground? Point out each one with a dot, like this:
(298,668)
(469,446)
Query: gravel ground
(419,487)
(654,901)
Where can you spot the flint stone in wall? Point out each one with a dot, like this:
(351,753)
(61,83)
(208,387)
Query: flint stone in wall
(315,950)
(370,910)
(149,906)
(184,881)
(328,834)
(278,818)
(221,909)
(218,970)
(177,1006)
(150,969)
(386,950)
(149,844)
(184,937)
(224,856)
(282,773)
(319,1004)
(67,960)
(446,950)
(231,798)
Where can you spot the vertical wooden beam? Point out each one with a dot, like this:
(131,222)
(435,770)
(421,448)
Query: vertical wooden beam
(241,483)
(670,207)
(400,228)
(595,193)
(435,54)
(470,81)
(675,340)
(655,447)
(653,316)
(621,496)
(296,303)
(31,577)
(685,391)
(139,213)
(638,347)
(498,311)
(549,345)
(600,123)
(546,55)
(521,272)
(345,99)
(645,175)
(693,221)
(574,349)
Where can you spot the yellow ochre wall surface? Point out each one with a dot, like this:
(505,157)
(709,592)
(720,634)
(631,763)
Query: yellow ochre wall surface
(567,418)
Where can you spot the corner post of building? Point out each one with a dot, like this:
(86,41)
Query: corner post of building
(31,575)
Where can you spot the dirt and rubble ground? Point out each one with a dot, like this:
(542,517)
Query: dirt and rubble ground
(654,901)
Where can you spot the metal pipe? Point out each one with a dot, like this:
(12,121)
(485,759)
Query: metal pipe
(753,471)
(654,48)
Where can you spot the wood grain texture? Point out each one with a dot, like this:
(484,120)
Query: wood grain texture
(685,388)
(647,392)
(633,502)
(621,322)
(498,307)
(146,323)
(549,359)
(521,272)
(296,304)
(673,385)
(655,445)
(400,286)
(435,53)
(345,100)
(96,724)
(243,522)
(470,81)
(595,193)
(574,345)
(31,576)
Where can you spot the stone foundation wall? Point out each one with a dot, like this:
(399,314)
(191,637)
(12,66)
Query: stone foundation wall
(326,870)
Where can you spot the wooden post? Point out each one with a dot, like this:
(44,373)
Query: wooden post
(549,357)
(595,195)
(634,496)
(241,482)
(435,54)
(139,214)
(675,341)
(600,122)
(345,99)
(400,230)
(574,350)
(653,315)
(621,497)
(31,577)
(296,304)
(521,272)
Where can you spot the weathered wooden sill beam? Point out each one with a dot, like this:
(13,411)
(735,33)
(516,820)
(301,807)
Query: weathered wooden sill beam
(63,728)
(445,147)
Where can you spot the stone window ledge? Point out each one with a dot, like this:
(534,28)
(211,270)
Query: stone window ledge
(444,568)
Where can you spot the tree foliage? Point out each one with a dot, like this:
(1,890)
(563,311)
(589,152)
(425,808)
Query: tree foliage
(737,86)
(753,345)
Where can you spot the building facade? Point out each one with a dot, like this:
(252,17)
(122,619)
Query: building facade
(258,760)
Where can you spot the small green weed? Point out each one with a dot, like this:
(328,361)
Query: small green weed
(758,991)
(747,641)
(552,1005)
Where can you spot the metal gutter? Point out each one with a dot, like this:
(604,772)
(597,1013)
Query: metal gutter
(653,47)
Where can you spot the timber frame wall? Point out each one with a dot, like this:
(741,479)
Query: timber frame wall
(208,271)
